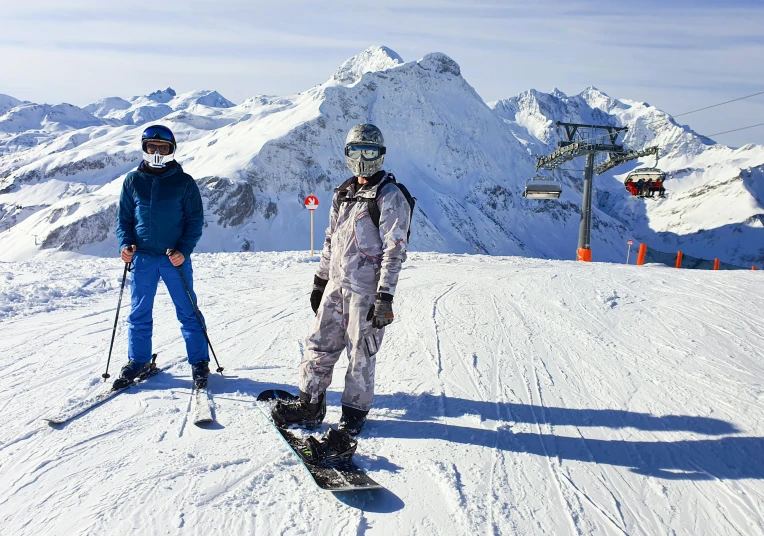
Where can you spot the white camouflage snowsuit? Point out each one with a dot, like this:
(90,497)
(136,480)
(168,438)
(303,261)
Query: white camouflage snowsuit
(359,260)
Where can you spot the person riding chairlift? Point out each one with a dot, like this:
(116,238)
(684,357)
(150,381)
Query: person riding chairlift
(641,187)
(631,187)
(658,186)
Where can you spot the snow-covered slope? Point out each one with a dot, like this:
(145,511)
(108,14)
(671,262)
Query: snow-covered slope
(514,396)
(465,161)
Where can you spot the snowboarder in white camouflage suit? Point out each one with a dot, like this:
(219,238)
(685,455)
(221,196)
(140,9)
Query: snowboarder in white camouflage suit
(353,288)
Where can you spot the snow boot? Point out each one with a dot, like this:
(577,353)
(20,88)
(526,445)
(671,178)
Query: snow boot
(129,372)
(199,371)
(300,412)
(335,447)
(352,420)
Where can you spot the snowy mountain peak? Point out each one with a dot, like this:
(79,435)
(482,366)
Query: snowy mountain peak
(7,102)
(558,93)
(599,99)
(213,99)
(531,102)
(105,106)
(440,63)
(161,96)
(204,97)
(377,58)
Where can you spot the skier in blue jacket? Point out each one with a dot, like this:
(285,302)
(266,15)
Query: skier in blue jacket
(159,222)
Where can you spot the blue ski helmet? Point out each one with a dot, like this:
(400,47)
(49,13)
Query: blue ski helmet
(158,133)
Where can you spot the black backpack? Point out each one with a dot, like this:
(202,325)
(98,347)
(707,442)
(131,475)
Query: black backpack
(371,202)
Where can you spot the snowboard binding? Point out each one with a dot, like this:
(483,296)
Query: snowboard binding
(334,447)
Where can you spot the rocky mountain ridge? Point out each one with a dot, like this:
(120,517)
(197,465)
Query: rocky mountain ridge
(466,161)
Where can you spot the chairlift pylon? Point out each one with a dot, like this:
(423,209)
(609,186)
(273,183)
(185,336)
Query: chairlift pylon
(540,187)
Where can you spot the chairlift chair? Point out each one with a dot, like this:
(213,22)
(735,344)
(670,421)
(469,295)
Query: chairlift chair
(542,188)
(654,174)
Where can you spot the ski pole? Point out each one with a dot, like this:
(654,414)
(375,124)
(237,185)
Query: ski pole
(198,314)
(106,375)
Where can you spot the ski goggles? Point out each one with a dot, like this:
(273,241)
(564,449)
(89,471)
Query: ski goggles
(366,152)
(163,148)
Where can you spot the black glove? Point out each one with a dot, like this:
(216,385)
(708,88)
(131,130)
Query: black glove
(318,292)
(381,312)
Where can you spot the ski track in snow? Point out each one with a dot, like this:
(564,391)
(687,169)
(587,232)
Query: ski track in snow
(514,396)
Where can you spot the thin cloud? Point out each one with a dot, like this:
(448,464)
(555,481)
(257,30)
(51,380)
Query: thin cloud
(676,55)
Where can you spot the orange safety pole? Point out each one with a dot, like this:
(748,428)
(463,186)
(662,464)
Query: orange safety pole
(679,259)
(641,254)
(716,264)
(584,254)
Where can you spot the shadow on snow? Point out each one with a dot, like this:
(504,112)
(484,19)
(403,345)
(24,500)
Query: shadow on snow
(427,407)
(723,458)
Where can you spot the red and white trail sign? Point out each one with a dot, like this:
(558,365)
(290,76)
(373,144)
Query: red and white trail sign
(630,242)
(311,202)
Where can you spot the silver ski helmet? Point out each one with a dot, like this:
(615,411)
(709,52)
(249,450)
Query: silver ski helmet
(365,150)
(158,133)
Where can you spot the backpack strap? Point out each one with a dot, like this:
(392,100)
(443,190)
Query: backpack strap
(342,190)
(374,212)
(371,202)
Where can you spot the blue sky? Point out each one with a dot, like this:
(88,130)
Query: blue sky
(677,54)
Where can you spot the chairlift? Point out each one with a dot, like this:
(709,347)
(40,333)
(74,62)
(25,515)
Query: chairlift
(651,182)
(542,188)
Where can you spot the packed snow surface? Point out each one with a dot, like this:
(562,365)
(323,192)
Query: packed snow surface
(514,396)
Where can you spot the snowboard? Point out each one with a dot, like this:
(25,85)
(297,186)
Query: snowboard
(340,476)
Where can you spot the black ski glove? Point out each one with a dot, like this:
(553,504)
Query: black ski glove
(318,292)
(381,312)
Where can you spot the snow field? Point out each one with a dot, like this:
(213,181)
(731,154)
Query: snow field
(514,396)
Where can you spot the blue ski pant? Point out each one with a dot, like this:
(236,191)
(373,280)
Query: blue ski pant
(147,269)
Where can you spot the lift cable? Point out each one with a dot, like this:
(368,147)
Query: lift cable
(603,136)
(706,108)
(720,104)
(735,130)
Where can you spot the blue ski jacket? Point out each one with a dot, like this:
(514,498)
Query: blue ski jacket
(158,212)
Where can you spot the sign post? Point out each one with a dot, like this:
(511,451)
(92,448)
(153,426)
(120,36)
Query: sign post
(311,203)
(628,252)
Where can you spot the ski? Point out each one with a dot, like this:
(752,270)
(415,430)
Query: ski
(202,406)
(75,410)
(339,476)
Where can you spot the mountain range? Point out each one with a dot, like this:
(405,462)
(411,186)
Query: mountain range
(466,161)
